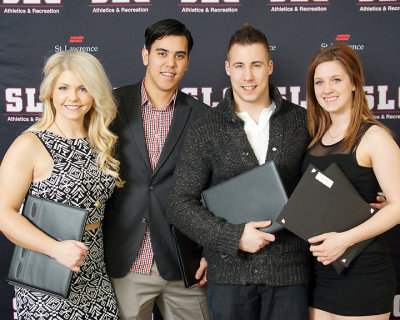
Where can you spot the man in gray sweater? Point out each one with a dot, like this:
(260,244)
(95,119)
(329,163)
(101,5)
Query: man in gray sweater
(252,274)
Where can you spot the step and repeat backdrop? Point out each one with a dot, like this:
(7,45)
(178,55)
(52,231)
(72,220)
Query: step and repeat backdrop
(113,31)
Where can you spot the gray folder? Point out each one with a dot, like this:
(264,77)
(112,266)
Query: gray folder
(37,271)
(255,195)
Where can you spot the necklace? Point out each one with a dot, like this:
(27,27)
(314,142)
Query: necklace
(333,137)
(97,203)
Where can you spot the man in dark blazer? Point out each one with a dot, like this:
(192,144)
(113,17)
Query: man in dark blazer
(153,119)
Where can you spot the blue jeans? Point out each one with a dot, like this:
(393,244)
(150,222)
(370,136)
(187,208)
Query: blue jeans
(258,302)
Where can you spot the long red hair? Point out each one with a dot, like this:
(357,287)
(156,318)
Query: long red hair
(318,119)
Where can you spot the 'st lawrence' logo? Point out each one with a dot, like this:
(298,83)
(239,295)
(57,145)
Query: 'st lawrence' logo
(32,2)
(76,39)
(342,37)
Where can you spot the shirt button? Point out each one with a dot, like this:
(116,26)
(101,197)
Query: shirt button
(246,153)
(274,149)
(144,220)
(151,187)
(256,271)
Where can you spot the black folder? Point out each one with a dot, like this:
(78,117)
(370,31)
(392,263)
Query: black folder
(37,271)
(255,195)
(326,202)
(189,256)
(352,252)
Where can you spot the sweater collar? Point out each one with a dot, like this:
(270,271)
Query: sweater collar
(226,106)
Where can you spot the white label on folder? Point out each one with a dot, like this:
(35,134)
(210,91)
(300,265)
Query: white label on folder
(344,260)
(372,210)
(283,221)
(324,179)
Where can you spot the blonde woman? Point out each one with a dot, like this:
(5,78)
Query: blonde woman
(67,156)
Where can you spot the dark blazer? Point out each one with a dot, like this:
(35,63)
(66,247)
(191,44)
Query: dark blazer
(144,197)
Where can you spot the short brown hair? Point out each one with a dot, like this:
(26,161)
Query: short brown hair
(249,35)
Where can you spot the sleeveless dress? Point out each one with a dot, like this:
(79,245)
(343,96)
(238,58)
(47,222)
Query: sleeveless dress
(367,287)
(74,181)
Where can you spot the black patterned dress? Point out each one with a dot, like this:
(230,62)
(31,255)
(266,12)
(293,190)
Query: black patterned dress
(74,181)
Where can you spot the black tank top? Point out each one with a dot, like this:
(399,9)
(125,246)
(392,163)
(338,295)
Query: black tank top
(363,178)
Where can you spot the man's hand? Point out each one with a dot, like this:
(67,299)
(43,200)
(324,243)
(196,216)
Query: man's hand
(201,273)
(252,239)
(380,203)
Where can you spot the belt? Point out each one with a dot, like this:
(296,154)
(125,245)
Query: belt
(92,226)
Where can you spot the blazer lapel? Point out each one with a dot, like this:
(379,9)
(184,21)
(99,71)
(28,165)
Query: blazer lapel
(179,120)
(134,114)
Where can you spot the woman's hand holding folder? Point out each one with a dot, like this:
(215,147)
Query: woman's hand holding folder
(70,254)
(333,245)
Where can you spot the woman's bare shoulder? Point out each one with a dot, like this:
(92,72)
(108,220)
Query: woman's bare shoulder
(26,145)
(377,135)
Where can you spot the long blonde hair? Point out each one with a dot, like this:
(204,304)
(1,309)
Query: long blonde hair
(98,119)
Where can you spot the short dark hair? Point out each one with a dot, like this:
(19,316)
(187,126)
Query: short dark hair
(164,28)
(249,35)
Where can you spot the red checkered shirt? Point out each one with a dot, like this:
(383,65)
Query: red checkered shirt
(156,124)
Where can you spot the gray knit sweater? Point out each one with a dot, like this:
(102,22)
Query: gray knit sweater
(217,149)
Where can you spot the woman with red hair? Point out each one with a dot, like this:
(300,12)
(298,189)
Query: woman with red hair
(343,130)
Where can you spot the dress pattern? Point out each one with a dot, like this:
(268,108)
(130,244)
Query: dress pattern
(74,180)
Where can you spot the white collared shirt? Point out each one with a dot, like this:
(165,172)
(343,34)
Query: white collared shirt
(258,134)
